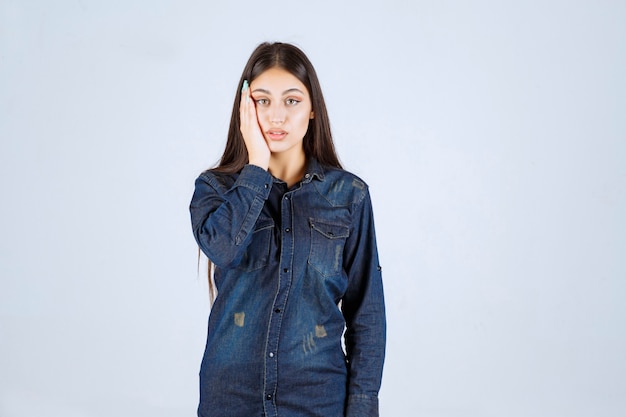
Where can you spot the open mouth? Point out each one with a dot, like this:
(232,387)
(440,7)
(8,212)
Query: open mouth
(276,134)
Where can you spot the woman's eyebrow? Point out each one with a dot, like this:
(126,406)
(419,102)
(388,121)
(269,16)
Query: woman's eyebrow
(291,90)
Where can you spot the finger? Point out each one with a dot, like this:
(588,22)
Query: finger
(249,109)
(245,98)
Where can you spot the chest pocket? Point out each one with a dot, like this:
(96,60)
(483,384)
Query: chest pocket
(327,243)
(257,253)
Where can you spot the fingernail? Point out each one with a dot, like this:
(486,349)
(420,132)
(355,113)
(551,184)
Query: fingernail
(245,86)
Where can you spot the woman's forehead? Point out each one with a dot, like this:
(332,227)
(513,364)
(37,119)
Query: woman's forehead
(277,81)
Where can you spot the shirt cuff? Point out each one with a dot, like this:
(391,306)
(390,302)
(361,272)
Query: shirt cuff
(360,405)
(255,178)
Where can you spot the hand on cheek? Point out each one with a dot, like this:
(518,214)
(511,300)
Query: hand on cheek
(258,151)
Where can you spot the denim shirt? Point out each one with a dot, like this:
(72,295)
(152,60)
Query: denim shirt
(294,268)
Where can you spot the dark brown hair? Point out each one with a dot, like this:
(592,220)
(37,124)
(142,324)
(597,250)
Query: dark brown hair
(317,142)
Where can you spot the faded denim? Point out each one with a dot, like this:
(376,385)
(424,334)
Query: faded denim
(294,268)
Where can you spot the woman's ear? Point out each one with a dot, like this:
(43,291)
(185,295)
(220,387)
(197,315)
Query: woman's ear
(312,116)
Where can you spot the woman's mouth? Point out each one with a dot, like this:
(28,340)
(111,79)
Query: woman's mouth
(276,134)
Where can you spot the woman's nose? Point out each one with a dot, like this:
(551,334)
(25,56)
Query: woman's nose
(277,115)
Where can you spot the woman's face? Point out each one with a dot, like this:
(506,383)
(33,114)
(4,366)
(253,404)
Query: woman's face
(283,108)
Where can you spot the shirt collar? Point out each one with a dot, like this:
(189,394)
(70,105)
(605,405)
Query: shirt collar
(313,169)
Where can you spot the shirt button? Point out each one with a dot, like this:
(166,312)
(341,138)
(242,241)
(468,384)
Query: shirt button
(285,270)
(268,397)
(267,185)
(277,310)
(271,354)
(287,230)
(307,175)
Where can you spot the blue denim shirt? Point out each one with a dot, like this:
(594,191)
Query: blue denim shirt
(294,268)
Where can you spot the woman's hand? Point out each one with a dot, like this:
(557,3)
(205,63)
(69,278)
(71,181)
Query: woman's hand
(258,151)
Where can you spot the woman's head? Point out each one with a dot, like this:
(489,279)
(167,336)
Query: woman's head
(317,141)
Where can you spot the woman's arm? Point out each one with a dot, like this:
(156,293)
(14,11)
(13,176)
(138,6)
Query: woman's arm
(364,311)
(223,219)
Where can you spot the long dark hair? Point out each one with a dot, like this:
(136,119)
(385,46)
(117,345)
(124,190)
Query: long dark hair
(317,142)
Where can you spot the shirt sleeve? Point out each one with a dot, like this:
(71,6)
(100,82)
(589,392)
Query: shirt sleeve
(223,219)
(364,311)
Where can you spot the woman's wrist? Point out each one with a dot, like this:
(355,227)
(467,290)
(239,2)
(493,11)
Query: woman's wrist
(260,162)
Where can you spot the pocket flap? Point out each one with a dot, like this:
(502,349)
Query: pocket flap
(330,230)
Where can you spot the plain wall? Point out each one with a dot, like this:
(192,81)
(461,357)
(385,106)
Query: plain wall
(492,135)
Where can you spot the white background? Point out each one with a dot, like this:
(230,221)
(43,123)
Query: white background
(492,134)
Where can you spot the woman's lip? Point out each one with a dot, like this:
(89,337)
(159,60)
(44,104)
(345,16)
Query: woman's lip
(276,134)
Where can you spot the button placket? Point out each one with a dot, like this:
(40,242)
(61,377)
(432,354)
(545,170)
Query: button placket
(284,284)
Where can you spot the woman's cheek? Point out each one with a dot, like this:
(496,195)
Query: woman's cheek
(302,116)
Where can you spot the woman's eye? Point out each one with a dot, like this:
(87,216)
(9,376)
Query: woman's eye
(292,101)
(262,101)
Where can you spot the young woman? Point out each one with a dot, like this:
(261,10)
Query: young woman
(291,236)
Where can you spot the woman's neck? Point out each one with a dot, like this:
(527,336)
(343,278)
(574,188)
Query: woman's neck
(289,168)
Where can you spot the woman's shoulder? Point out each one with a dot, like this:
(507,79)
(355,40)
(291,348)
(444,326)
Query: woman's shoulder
(342,187)
(217,178)
(341,174)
